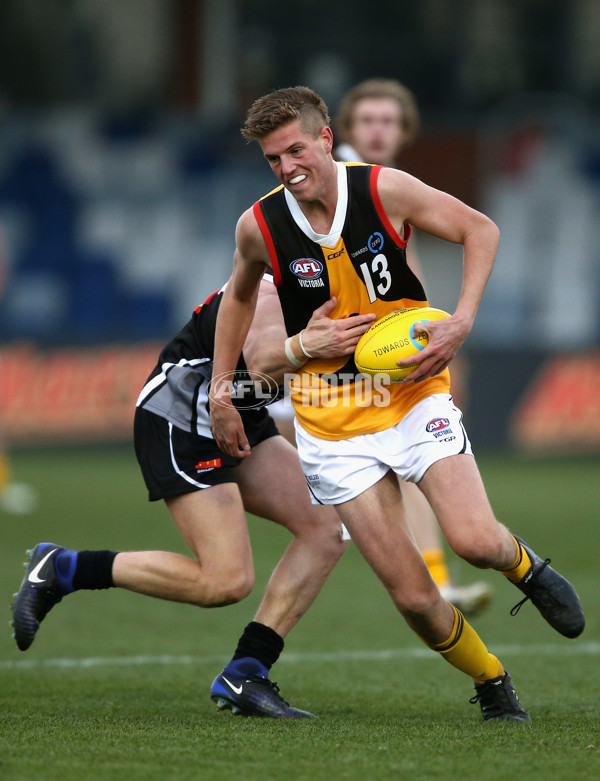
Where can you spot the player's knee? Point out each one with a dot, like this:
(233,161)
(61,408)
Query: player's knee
(324,542)
(226,588)
(236,588)
(480,551)
(322,526)
(417,605)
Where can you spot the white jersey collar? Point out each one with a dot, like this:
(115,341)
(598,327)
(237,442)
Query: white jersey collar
(330,239)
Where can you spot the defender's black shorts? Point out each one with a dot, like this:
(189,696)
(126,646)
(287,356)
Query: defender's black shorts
(174,461)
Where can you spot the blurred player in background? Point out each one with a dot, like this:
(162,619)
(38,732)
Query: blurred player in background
(206,493)
(15,498)
(376,120)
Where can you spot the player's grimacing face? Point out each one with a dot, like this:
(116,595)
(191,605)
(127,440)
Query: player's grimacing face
(376,131)
(301,162)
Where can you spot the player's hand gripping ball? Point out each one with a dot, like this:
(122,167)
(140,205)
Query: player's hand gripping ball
(391,339)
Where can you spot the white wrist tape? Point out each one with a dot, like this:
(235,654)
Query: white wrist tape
(290,353)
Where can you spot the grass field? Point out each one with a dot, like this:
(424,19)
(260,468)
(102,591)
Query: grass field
(116,685)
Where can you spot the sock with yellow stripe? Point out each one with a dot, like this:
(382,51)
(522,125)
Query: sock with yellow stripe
(466,651)
(5,473)
(436,564)
(520,567)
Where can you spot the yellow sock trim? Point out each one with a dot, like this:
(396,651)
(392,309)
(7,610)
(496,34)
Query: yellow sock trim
(4,472)
(520,567)
(436,564)
(466,651)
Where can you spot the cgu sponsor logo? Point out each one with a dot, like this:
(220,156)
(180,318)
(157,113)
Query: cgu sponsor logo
(437,424)
(306,268)
(337,254)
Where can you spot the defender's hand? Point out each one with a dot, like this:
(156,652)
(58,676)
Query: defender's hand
(228,429)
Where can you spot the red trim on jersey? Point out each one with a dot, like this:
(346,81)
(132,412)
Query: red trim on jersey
(401,242)
(266,233)
(212,295)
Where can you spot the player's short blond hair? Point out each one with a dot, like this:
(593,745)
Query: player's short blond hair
(279,108)
(379,88)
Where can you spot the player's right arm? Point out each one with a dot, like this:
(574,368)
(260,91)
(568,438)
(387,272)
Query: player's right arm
(407,199)
(236,311)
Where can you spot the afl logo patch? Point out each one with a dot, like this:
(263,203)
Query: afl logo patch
(306,268)
(437,424)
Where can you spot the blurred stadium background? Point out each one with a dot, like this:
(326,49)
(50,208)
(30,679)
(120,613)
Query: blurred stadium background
(122,174)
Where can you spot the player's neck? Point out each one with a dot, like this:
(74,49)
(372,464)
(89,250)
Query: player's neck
(319,216)
(320,211)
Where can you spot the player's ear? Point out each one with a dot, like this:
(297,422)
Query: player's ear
(326,137)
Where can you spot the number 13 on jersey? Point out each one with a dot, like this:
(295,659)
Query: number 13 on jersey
(376,276)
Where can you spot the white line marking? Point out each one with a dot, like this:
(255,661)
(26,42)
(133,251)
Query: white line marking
(576,649)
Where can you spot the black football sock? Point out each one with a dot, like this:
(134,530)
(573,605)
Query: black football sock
(259,642)
(94,569)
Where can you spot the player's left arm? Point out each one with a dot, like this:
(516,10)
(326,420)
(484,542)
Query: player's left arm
(407,199)
(268,349)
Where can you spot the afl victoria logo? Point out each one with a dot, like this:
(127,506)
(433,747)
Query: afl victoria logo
(306,268)
(437,424)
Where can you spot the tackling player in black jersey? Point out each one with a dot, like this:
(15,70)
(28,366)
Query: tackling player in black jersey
(207,492)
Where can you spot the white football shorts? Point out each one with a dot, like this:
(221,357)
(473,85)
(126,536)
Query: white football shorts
(339,470)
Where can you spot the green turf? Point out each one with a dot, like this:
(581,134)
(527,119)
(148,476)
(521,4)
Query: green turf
(116,685)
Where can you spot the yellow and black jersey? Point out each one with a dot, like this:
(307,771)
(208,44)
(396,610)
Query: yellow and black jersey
(362,261)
